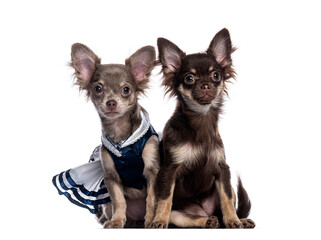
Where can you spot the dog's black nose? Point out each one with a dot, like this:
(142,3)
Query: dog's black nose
(111,104)
(205,86)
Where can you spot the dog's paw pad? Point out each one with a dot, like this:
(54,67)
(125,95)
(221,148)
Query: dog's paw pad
(158,224)
(114,224)
(233,223)
(212,222)
(247,223)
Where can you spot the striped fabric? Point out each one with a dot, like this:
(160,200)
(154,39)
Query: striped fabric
(84,185)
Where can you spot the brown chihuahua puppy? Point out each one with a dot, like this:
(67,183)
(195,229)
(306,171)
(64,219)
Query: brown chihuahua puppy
(193,185)
(129,150)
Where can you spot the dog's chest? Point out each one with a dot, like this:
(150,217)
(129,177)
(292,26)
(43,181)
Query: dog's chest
(190,155)
(197,168)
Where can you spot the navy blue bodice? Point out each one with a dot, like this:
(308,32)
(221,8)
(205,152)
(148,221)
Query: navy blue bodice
(130,164)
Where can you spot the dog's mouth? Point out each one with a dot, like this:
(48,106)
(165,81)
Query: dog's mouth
(205,99)
(110,113)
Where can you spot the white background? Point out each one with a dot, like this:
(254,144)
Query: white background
(271,125)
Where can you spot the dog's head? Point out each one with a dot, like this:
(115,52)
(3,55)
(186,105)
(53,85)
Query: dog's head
(197,79)
(113,88)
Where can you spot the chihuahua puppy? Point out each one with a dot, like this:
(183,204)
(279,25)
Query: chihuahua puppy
(129,150)
(193,185)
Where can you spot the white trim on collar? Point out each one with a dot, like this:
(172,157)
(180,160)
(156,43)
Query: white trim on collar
(139,132)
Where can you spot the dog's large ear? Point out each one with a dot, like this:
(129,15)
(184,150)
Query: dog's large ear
(221,48)
(141,63)
(85,63)
(170,56)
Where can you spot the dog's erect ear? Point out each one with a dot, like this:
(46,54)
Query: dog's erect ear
(221,48)
(170,56)
(141,63)
(85,63)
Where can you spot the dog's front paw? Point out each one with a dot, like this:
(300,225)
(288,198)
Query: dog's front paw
(148,223)
(233,223)
(212,222)
(159,224)
(148,219)
(115,224)
(247,223)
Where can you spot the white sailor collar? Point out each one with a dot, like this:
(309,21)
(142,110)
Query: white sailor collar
(140,132)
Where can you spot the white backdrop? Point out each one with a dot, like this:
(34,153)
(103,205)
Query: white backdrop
(270,128)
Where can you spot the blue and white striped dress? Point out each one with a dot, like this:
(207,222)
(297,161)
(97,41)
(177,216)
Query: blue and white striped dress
(84,185)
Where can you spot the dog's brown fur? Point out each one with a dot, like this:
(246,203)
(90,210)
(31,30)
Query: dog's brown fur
(193,185)
(114,91)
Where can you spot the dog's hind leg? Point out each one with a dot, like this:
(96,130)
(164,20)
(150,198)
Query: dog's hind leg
(244,206)
(181,219)
(247,223)
(101,218)
(104,213)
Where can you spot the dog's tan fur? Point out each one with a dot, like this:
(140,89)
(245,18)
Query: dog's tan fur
(163,210)
(114,91)
(193,185)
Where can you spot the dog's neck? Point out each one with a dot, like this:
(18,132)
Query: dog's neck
(205,125)
(121,128)
(211,115)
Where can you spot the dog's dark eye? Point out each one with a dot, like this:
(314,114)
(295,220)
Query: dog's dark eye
(189,79)
(98,89)
(216,76)
(125,91)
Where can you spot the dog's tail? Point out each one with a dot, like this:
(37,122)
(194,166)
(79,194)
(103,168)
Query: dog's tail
(244,203)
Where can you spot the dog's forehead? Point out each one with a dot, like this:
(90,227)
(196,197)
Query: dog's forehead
(113,72)
(199,63)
